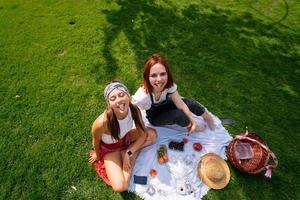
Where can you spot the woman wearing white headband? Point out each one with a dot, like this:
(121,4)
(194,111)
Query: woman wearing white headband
(118,135)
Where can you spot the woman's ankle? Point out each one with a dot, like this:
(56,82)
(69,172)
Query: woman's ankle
(200,127)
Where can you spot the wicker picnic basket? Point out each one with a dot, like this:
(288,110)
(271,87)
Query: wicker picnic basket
(261,155)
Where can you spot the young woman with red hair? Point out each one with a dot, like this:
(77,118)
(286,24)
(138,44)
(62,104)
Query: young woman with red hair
(159,97)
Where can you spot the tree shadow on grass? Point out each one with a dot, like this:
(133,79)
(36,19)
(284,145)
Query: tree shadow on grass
(199,39)
(214,49)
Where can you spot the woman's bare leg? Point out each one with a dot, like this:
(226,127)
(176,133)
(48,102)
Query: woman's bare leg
(118,177)
(113,162)
(208,118)
(151,136)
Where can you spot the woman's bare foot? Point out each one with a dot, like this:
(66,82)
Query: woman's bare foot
(200,127)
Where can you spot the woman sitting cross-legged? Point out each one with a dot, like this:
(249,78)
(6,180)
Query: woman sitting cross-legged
(118,135)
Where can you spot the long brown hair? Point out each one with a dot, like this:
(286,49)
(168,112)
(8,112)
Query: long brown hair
(113,124)
(152,60)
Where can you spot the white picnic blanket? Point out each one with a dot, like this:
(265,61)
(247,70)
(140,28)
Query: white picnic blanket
(177,178)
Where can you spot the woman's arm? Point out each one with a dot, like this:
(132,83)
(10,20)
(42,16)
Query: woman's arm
(134,148)
(97,130)
(142,135)
(176,98)
(137,144)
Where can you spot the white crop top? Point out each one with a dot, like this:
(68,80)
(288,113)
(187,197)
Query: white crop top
(125,124)
(143,100)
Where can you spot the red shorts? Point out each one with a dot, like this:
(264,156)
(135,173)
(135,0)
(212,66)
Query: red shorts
(108,148)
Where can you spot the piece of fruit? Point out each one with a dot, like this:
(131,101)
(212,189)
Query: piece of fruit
(153,172)
(162,154)
(165,157)
(197,146)
(179,146)
(161,160)
(185,140)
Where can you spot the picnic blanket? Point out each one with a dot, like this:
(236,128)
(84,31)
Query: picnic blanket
(177,178)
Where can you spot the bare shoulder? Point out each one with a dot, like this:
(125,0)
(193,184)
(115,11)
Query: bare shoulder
(99,125)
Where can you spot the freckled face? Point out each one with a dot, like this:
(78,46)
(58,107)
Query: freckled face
(158,77)
(119,102)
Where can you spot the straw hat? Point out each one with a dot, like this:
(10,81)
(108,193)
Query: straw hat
(213,171)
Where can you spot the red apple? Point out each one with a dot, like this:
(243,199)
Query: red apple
(153,172)
(197,146)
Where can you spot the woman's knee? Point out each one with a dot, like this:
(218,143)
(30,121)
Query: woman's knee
(180,118)
(152,134)
(120,186)
(194,106)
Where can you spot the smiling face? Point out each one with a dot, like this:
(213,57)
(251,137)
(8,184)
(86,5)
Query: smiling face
(158,77)
(119,102)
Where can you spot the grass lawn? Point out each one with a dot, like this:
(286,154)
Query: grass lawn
(241,59)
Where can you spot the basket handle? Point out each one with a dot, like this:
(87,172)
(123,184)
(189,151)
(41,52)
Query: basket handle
(269,167)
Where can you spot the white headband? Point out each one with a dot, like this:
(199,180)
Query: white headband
(115,85)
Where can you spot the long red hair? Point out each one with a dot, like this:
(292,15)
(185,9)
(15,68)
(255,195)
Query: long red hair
(152,60)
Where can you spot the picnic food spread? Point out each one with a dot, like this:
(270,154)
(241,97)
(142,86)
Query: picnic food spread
(162,154)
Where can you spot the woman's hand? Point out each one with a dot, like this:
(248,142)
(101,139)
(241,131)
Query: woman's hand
(126,163)
(93,158)
(192,126)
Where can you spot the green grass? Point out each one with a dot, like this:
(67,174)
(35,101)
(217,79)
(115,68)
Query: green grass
(241,59)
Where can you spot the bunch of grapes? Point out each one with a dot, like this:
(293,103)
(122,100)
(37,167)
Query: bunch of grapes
(176,145)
